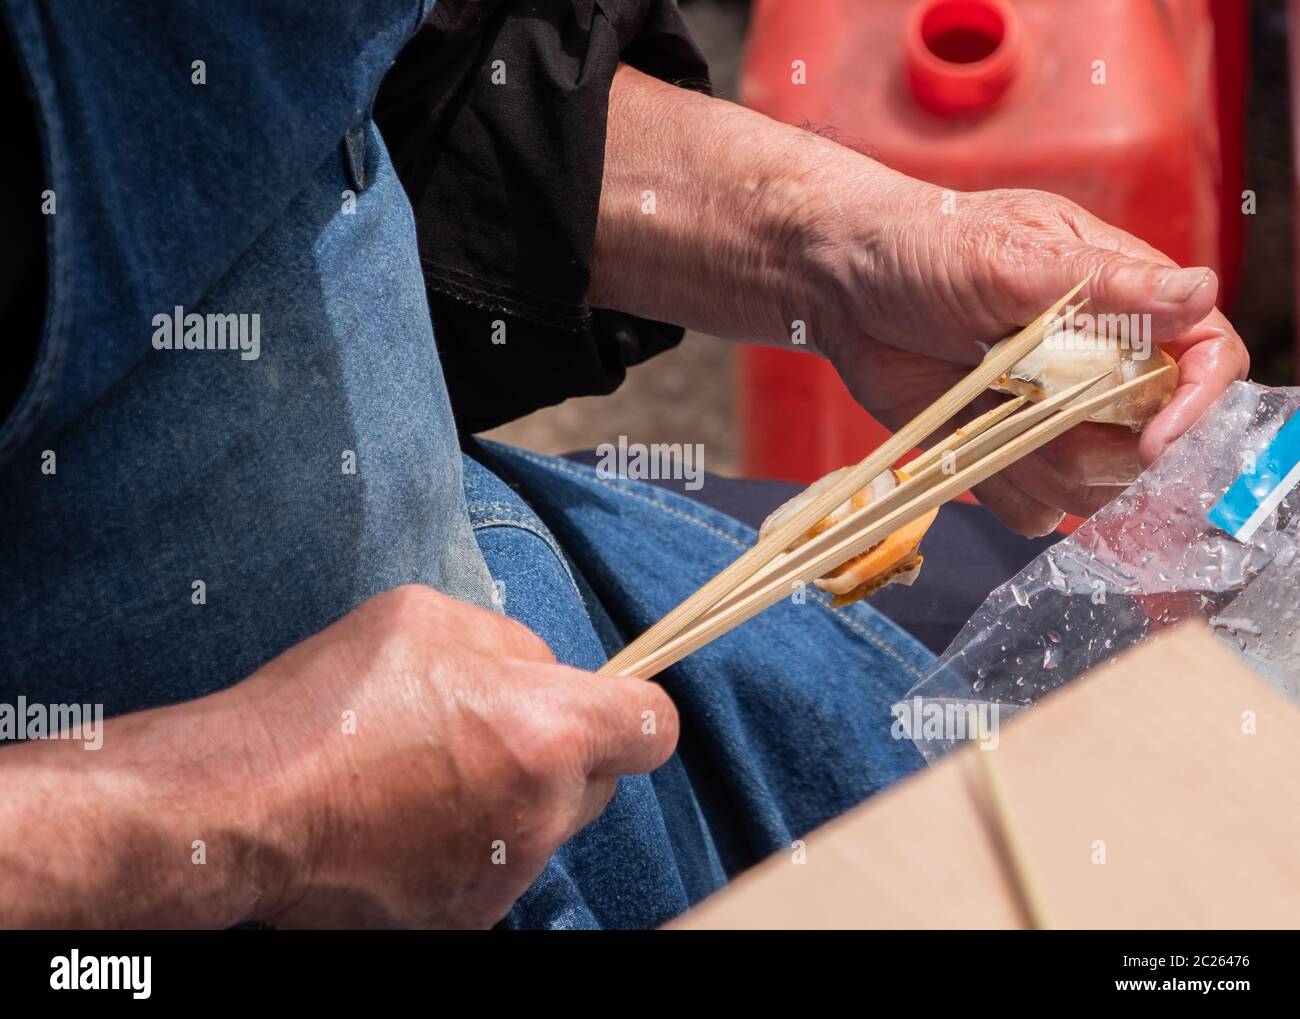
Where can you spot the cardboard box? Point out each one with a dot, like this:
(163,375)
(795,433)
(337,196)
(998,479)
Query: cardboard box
(1160,790)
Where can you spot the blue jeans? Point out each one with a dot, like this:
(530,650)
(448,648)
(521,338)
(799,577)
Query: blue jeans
(785,721)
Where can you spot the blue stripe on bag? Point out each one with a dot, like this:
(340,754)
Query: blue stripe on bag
(1253,496)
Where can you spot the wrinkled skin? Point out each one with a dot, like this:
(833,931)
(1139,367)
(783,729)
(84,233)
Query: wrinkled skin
(902,285)
(920,290)
(467,732)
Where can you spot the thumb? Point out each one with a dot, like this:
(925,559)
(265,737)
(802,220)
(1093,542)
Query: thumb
(1176,299)
(633,724)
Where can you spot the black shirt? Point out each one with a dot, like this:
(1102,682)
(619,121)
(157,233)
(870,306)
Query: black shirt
(495,118)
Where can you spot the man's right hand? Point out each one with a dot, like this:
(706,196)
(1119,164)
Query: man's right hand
(413,765)
(431,756)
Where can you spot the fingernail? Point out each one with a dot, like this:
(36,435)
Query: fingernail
(1178,287)
(1048,528)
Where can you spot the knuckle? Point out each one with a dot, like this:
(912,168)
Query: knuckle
(1017,224)
(1107,264)
(548,747)
(1028,206)
(519,641)
(400,618)
(407,602)
(1041,203)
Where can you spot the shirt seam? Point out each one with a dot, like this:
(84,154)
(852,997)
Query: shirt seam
(472,289)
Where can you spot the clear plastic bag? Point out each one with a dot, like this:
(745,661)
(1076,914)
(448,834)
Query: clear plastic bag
(1146,562)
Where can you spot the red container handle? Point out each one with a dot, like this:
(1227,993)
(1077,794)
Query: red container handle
(961,55)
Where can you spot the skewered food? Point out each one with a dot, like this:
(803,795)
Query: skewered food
(1052,367)
(894,560)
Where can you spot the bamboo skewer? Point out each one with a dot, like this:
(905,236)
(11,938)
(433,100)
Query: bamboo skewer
(964,449)
(831,548)
(964,434)
(751,561)
(848,538)
(1002,431)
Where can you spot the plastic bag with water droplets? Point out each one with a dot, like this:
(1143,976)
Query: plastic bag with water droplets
(1147,561)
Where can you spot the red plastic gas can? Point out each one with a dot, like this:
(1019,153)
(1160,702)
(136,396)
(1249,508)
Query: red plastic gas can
(1107,102)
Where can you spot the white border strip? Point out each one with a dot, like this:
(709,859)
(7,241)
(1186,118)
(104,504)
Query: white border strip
(1270,503)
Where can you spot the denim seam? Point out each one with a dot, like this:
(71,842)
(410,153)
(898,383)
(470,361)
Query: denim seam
(636,496)
(512,518)
(825,604)
(502,509)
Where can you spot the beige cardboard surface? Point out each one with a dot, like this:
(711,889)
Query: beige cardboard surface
(1173,761)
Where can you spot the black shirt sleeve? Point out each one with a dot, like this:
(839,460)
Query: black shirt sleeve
(495,118)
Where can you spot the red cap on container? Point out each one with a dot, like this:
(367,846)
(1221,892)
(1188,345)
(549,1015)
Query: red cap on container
(961,55)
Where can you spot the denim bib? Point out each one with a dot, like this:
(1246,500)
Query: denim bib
(237,428)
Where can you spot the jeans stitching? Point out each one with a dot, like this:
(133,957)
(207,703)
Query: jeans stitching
(500,508)
(840,614)
(514,519)
(636,496)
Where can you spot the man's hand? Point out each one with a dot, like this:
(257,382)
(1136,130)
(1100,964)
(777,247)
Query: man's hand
(474,758)
(758,224)
(413,765)
(932,274)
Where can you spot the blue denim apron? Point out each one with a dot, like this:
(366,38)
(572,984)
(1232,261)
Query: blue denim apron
(292,486)
(266,190)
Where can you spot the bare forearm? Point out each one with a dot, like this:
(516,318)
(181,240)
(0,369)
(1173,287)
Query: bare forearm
(160,826)
(720,219)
